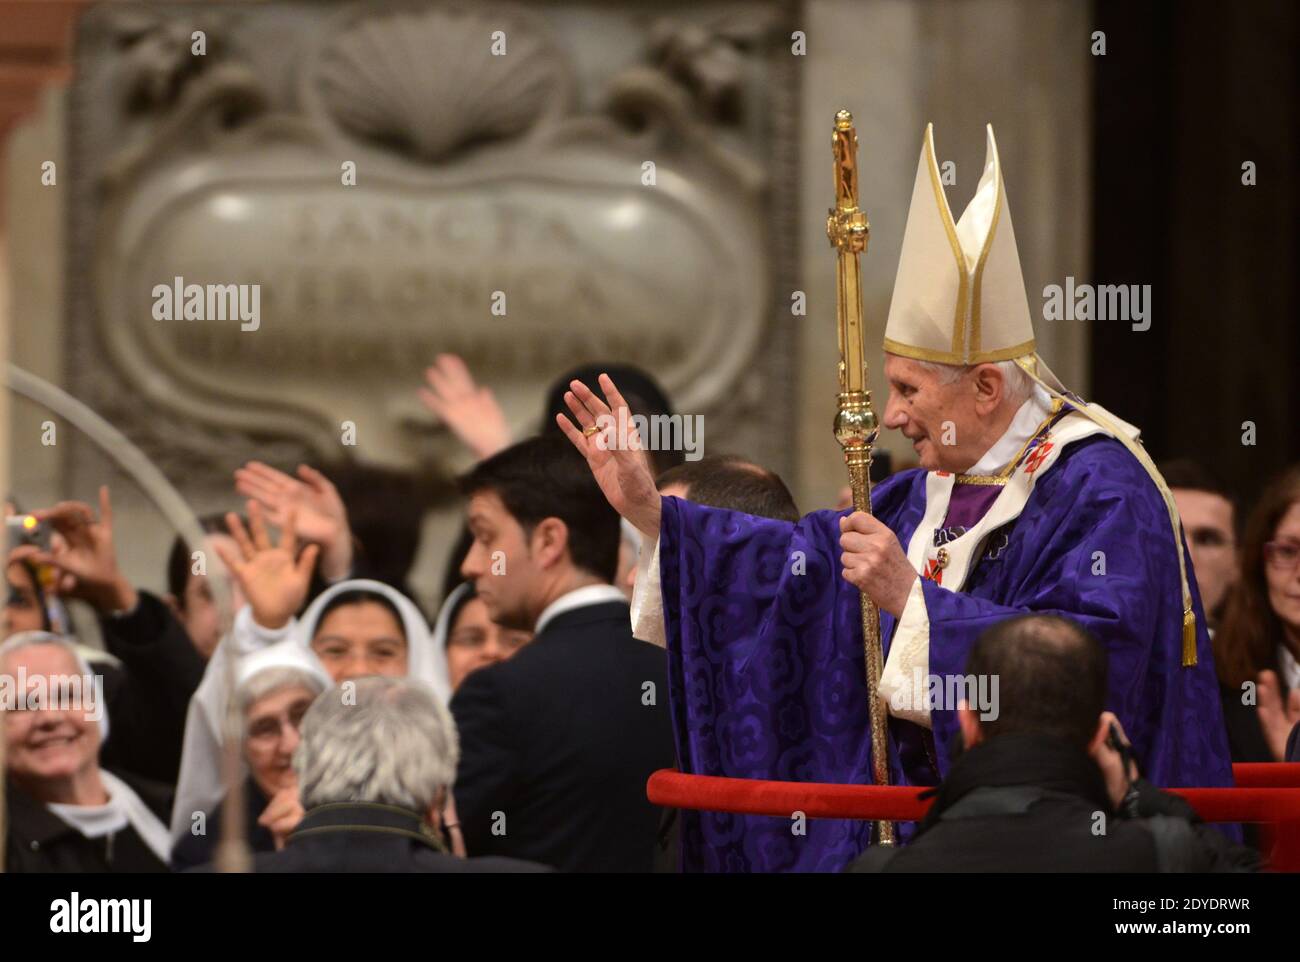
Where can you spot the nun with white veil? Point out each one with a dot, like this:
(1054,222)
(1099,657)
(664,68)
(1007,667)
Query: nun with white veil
(354,628)
(65,812)
(274,688)
(466,639)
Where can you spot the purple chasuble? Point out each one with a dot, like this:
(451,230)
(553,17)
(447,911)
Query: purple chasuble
(766,671)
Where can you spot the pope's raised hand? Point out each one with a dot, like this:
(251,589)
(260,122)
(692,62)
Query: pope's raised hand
(873,562)
(607,438)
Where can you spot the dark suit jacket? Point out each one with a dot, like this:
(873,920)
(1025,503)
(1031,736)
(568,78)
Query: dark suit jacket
(362,837)
(560,741)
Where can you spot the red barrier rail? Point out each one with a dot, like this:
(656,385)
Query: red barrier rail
(1266,774)
(1269,796)
(747,796)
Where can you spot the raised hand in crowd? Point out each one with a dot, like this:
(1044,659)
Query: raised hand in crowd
(1277,715)
(83,556)
(617,462)
(274,578)
(470,410)
(322,516)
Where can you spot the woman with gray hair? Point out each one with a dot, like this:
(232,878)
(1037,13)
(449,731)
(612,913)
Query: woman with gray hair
(375,768)
(65,813)
(274,689)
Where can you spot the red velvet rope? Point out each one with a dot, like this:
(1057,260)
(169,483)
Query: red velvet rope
(1265,793)
(1268,793)
(1266,774)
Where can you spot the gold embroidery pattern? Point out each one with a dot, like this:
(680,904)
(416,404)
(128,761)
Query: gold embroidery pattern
(1003,476)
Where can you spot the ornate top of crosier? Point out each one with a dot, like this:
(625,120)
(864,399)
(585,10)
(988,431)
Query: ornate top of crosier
(848,230)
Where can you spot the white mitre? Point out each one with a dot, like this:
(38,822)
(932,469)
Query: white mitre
(959,298)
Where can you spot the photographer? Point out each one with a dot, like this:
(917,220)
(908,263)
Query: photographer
(1049,784)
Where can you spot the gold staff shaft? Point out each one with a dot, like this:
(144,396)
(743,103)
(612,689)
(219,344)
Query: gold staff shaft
(856,427)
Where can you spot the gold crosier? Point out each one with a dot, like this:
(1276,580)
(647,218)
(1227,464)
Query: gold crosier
(856,427)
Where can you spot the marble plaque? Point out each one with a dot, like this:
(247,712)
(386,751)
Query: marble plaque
(272,238)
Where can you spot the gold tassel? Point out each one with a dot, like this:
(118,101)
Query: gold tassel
(1189,638)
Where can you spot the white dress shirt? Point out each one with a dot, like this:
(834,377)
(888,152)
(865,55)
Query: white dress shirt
(578,598)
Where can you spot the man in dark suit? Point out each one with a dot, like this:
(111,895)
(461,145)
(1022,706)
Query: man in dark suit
(1042,784)
(374,765)
(557,742)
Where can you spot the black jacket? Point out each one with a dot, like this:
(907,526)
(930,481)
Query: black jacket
(1032,803)
(149,695)
(359,837)
(557,743)
(1246,741)
(194,850)
(39,841)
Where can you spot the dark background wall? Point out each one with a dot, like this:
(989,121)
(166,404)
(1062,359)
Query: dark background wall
(1186,93)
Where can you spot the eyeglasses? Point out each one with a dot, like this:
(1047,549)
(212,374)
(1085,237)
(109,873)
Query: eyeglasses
(269,730)
(1282,555)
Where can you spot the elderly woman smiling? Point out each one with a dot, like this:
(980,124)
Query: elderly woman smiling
(65,813)
(276,686)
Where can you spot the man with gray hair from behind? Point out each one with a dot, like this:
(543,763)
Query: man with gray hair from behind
(375,767)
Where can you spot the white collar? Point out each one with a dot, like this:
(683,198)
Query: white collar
(1290,669)
(1029,416)
(92,821)
(578,598)
(124,807)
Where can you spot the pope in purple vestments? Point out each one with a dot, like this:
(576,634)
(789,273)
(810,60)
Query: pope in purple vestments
(766,671)
(1028,499)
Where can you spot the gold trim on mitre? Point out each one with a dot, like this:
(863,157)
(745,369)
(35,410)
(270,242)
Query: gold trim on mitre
(944,357)
(979,312)
(945,216)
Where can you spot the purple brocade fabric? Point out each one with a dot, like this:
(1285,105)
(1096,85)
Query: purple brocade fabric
(766,670)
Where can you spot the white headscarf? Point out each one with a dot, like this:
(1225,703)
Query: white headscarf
(200,787)
(283,654)
(442,627)
(422,662)
(124,806)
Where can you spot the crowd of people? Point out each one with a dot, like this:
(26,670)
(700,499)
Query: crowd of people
(516,729)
